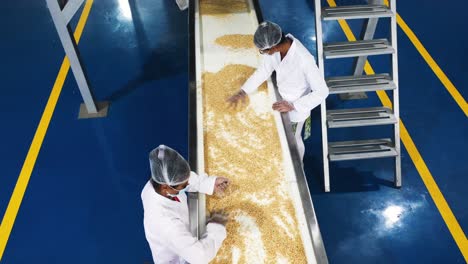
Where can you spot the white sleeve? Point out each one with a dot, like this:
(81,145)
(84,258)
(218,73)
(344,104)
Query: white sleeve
(192,250)
(318,86)
(201,183)
(259,76)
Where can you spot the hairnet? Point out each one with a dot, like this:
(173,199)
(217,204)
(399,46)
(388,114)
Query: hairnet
(267,35)
(168,166)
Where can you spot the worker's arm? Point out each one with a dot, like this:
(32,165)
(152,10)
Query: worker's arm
(260,75)
(201,183)
(318,86)
(192,250)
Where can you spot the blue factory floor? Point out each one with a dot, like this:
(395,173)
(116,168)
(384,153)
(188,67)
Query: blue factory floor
(81,179)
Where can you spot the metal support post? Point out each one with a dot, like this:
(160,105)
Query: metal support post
(368,32)
(61,20)
(396,100)
(323,107)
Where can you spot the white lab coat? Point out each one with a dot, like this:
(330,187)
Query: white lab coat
(167,230)
(298,77)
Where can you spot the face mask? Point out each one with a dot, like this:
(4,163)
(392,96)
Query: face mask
(180,191)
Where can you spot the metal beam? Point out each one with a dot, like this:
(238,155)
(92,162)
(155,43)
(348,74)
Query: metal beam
(368,32)
(61,20)
(70,9)
(396,99)
(323,107)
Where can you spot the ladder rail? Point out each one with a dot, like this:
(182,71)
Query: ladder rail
(323,107)
(396,101)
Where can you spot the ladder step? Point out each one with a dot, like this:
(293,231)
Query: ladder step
(361,83)
(361,149)
(355,12)
(357,48)
(360,117)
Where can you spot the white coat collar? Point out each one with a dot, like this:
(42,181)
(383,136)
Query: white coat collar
(292,49)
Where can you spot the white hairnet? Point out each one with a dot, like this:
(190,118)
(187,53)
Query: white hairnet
(168,166)
(267,35)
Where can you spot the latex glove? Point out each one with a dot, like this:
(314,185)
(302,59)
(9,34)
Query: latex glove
(283,106)
(221,185)
(218,217)
(239,96)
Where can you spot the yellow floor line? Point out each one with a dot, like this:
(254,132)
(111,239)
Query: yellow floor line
(433,65)
(28,165)
(437,196)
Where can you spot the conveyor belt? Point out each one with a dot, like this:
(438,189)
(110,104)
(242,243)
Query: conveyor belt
(206,56)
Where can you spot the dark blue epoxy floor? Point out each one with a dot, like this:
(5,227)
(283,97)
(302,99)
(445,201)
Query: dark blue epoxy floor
(364,219)
(82,204)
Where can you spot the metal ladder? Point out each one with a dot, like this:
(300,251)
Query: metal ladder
(345,118)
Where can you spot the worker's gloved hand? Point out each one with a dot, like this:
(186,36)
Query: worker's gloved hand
(239,96)
(218,217)
(283,106)
(221,185)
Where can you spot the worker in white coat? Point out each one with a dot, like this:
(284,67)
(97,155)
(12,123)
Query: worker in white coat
(300,83)
(166,215)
